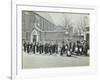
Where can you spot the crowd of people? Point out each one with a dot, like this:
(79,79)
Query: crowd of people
(71,48)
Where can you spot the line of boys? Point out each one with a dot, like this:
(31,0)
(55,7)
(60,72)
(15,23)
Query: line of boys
(77,48)
(40,48)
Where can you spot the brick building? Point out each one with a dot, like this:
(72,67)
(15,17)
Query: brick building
(38,28)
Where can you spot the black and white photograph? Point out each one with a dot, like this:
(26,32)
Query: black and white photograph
(55,39)
(50,40)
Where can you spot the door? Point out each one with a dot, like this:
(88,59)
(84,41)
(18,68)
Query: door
(34,38)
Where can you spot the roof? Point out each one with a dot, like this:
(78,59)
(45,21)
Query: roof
(51,28)
(58,29)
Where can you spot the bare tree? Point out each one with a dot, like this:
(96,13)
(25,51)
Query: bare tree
(68,26)
(81,25)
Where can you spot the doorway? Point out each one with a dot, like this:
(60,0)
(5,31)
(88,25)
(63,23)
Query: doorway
(34,36)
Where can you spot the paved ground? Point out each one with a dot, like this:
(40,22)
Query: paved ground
(55,60)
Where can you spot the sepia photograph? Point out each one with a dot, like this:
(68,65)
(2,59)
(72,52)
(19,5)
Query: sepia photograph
(55,39)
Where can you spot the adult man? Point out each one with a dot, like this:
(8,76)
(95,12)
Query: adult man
(40,48)
(37,47)
(31,47)
(25,46)
(56,47)
(67,50)
(85,48)
(28,47)
(73,48)
(50,48)
(34,47)
(80,49)
(46,48)
(62,49)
